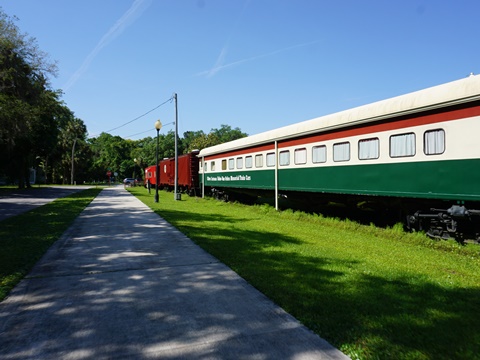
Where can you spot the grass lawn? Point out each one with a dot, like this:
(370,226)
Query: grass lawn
(373,293)
(25,238)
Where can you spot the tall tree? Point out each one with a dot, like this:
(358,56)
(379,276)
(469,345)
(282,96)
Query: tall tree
(112,153)
(226,133)
(189,140)
(199,140)
(23,94)
(74,134)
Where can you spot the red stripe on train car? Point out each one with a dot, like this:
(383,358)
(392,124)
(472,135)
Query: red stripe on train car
(386,126)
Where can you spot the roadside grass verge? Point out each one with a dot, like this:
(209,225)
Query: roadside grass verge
(26,237)
(373,293)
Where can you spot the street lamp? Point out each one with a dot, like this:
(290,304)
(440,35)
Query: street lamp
(158,126)
(134,167)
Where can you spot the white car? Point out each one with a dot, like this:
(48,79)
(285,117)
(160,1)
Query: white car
(129,182)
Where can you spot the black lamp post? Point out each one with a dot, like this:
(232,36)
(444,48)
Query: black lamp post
(158,126)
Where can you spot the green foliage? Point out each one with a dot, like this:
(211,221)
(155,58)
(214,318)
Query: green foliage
(22,246)
(374,293)
(199,140)
(33,129)
(226,133)
(38,131)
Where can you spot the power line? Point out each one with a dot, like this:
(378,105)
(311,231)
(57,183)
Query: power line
(146,131)
(139,117)
(143,132)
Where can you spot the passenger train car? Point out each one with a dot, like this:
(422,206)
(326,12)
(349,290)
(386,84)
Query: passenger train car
(418,152)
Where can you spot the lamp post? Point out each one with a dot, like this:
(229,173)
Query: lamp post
(134,167)
(158,126)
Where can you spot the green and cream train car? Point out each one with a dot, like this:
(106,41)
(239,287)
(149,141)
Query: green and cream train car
(419,151)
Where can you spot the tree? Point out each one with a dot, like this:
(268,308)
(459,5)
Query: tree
(199,140)
(190,139)
(24,95)
(74,132)
(112,153)
(226,134)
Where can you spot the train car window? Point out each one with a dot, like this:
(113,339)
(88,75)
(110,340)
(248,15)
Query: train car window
(239,163)
(368,149)
(319,154)
(231,164)
(300,156)
(434,142)
(271,159)
(205,166)
(212,166)
(259,160)
(284,158)
(248,162)
(402,145)
(341,151)
(224,164)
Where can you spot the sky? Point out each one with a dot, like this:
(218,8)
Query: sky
(253,64)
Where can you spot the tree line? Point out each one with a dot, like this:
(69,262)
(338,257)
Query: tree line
(38,131)
(129,158)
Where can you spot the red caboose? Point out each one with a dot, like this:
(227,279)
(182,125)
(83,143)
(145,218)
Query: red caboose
(188,180)
(150,176)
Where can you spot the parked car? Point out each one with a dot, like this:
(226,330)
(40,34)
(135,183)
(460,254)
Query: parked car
(129,182)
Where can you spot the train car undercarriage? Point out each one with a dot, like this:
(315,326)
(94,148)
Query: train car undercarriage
(457,222)
(442,220)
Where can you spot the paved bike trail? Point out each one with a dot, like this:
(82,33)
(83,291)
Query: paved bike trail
(122,283)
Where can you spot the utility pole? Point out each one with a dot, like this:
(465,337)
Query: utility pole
(176,196)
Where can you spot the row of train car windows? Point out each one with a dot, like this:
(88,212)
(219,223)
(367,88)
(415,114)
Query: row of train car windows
(401,145)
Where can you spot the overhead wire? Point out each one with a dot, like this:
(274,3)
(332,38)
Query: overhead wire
(146,131)
(139,117)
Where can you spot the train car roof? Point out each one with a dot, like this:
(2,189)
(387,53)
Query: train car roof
(452,93)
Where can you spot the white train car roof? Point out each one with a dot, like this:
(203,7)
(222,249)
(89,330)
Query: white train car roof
(452,93)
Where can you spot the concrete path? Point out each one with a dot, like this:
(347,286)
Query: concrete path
(122,283)
(20,201)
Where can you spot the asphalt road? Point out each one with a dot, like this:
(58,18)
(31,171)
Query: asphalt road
(20,201)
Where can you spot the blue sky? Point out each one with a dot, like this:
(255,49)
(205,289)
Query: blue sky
(253,64)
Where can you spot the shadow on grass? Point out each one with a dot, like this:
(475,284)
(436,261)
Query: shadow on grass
(364,315)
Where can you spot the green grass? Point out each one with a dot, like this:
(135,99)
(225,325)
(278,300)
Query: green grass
(25,238)
(374,293)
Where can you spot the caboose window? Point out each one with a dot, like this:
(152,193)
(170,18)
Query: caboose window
(368,149)
(248,162)
(239,163)
(319,154)
(434,142)
(300,156)
(402,145)
(284,158)
(271,159)
(231,164)
(341,151)
(259,160)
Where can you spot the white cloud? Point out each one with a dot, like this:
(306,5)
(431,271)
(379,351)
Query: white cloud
(219,64)
(128,18)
